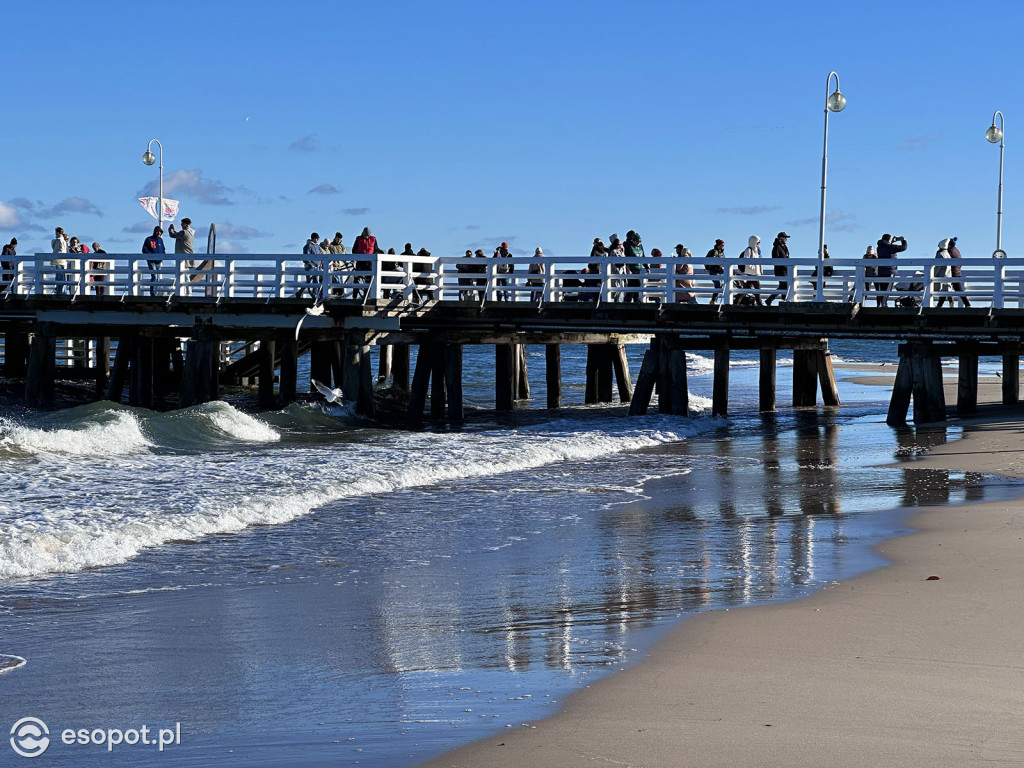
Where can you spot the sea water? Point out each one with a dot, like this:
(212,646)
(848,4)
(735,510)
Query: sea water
(302,587)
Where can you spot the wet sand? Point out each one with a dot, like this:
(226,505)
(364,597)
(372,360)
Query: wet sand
(894,667)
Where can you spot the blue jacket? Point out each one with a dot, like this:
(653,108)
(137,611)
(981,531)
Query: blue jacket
(889,251)
(153,244)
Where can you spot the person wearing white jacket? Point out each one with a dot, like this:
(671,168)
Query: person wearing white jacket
(942,271)
(752,251)
(59,245)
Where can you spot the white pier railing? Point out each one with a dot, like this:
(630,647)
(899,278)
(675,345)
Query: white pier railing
(984,282)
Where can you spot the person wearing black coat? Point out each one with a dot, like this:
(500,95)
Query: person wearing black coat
(888,247)
(780,251)
(957,283)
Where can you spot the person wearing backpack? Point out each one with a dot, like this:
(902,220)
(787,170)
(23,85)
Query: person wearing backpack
(780,250)
(716,268)
(752,251)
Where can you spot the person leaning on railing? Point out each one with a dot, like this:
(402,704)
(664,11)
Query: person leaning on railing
(311,248)
(957,283)
(154,244)
(683,293)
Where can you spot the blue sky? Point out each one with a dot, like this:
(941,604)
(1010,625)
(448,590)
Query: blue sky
(459,125)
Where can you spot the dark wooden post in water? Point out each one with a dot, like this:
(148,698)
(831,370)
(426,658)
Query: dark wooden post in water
(202,367)
(1011,378)
(805,378)
(605,372)
(320,353)
(119,374)
(289,369)
(16,351)
(720,388)
(42,366)
(504,376)
(553,374)
(621,366)
(420,382)
(268,358)
(967,382)
(827,378)
(766,380)
(102,366)
(383,363)
(141,387)
(357,373)
(646,380)
(919,376)
(453,381)
(400,366)
(438,373)
(522,376)
(590,392)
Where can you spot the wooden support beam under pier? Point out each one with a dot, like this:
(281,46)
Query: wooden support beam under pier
(827,379)
(553,374)
(918,377)
(967,383)
(438,374)
(400,366)
(102,371)
(766,380)
(504,373)
(16,352)
(1011,378)
(522,375)
(645,381)
(453,381)
(720,387)
(268,357)
(420,382)
(42,367)
(620,364)
(289,369)
(805,378)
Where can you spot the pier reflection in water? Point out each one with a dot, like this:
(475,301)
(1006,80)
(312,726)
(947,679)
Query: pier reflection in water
(722,522)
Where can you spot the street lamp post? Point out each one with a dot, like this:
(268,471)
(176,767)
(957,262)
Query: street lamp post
(995,134)
(149,159)
(834,102)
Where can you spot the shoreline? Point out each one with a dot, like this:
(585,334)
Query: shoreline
(886,668)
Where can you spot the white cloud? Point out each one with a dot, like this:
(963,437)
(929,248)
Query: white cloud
(9,218)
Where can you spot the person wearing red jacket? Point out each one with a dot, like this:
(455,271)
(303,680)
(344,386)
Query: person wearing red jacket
(366,243)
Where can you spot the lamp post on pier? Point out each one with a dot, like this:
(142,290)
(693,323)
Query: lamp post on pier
(148,159)
(995,134)
(834,102)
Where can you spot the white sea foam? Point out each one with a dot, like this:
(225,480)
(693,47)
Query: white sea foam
(154,499)
(116,433)
(8,663)
(236,424)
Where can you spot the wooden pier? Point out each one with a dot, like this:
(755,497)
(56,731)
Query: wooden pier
(175,336)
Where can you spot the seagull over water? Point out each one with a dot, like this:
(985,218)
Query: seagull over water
(332,395)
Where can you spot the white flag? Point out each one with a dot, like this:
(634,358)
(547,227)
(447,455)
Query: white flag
(170,207)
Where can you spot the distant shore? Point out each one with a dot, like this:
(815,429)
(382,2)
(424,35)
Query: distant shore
(893,667)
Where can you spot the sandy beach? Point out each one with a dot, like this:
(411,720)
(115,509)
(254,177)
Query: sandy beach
(917,663)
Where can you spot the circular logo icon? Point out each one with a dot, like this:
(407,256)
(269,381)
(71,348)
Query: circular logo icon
(30,737)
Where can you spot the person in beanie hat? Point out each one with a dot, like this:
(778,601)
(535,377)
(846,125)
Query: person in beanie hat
(716,268)
(780,251)
(956,284)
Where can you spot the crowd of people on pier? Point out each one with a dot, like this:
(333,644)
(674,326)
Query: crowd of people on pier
(632,279)
(636,276)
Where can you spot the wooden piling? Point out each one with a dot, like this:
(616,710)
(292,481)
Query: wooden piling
(967,383)
(1011,379)
(621,367)
(504,372)
(142,374)
(522,375)
(400,367)
(201,368)
(604,372)
(42,367)
(16,352)
(102,371)
(720,388)
(590,392)
(365,405)
(766,380)
(383,363)
(453,381)
(677,374)
(805,378)
(335,350)
(827,379)
(902,391)
(438,373)
(320,362)
(645,382)
(268,359)
(119,373)
(289,370)
(664,375)
(420,382)
(553,374)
